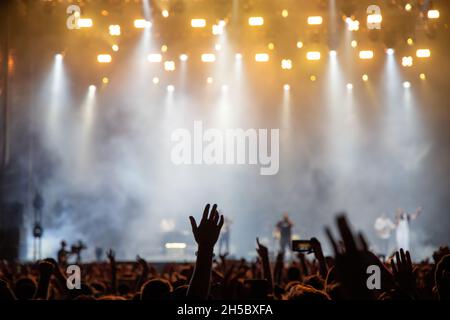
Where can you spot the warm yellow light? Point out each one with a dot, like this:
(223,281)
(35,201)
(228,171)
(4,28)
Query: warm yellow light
(208,57)
(261,57)
(408,7)
(155,80)
(104,58)
(114,30)
(315,20)
(217,29)
(175,245)
(209,80)
(217,47)
(407,61)
(299,44)
(84,23)
(433,14)
(286,64)
(105,80)
(115,47)
(154,57)
(312,78)
(423,53)
(183,57)
(284,13)
(142,23)
(422,76)
(198,23)
(374,18)
(352,25)
(410,41)
(354,43)
(165,13)
(169,65)
(366,54)
(271,46)
(313,55)
(256,21)
(365,77)
(164,48)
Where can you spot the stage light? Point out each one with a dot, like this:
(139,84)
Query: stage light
(286,87)
(238,56)
(224,88)
(390,51)
(352,25)
(104,58)
(374,18)
(354,43)
(175,245)
(209,80)
(165,13)
(332,53)
(433,14)
(407,61)
(170,88)
(217,47)
(105,80)
(92,88)
(286,64)
(115,47)
(154,57)
(349,86)
(58,57)
(406,84)
(142,24)
(366,54)
(256,21)
(365,77)
(299,44)
(114,30)
(261,57)
(198,23)
(423,53)
(84,23)
(155,80)
(410,41)
(169,65)
(284,13)
(312,78)
(218,29)
(422,76)
(183,57)
(315,20)
(408,7)
(164,48)
(313,55)
(271,46)
(208,57)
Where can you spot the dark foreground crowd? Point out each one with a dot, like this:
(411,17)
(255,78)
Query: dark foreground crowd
(353,272)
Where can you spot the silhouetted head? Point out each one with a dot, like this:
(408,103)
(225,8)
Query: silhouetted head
(25,289)
(156,289)
(307,293)
(442,278)
(63,244)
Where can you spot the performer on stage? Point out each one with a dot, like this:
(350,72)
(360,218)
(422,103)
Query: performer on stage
(402,222)
(284,226)
(224,239)
(63,254)
(383,226)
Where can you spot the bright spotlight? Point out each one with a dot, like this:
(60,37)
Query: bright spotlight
(164,48)
(209,80)
(165,13)
(224,88)
(58,57)
(312,78)
(406,84)
(255,21)
(286,87)
(390,51)
(169,65)
(198,23)
(84,23)
(155,80)
(261,57)
(114,30)
(313,55)
(104,58)
(408,7)
(315,20)
(142,24)
(105,80)
(423,53)
(238,56)
(92,88)
(271,46)
(422,76)
(407,61)
(366,54)
(352,25)
(217,47)
(183,57)
(154,57)
(299,44)
(433,14)
(170,88)
(410,41)
(354,43)
(365,77)
(349,86)
(217,29)
(332,53)
(208,57)
(284,13)
(286,64)
(374,18)
(115,47)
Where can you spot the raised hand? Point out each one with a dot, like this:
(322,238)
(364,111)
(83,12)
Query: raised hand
(112,261)
(317,249)
(207,232)
(111,256)
(403,272)
(263,252)
(45,272)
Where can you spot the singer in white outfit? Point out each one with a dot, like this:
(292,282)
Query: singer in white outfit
(402,231)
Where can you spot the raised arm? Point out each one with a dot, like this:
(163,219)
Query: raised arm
(45,273)
(263,253)
(416,213)
(206,235)
(112,261)
(317,248)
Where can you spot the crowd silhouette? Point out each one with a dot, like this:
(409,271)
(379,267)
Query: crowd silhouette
(342,276)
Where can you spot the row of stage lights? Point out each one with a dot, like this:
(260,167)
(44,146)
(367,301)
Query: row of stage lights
(286,64)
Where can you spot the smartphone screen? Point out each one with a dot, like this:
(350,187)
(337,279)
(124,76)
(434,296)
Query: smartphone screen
(301,246)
